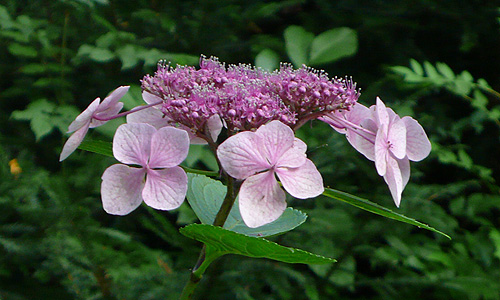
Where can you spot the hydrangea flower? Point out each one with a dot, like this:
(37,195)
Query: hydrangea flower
(257,157)
(158,181)
(92,117)
(385,138)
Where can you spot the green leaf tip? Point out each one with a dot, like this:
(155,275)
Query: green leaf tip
(377,209)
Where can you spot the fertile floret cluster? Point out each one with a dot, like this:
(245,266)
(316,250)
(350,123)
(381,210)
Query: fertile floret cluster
(245,97)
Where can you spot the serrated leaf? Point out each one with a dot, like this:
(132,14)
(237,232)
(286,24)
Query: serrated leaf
(376,209)
(332,45)
(298,42)
(416,67)
(205,195)
(267,59)
(220,241)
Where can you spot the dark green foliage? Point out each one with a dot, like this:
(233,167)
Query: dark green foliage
(423,58)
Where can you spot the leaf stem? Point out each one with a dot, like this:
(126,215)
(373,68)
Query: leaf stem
(203,261)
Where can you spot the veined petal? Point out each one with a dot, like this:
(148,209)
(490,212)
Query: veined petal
(277,138)
(165,189)
(363,142)
(381,113)
(150,98)
(169,147)
(132,143)
(293,157)
(261,199)
(151,116)
(240,155)
(121,189)
(397,138)
(302,182)
(73,142)
(381,150)
(84,118)
(418,145)
(394,180)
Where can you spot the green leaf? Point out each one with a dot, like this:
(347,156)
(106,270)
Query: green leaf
(22,50)
(96,146)
(44,116)
(416,67)
(445,70)
(220,241)
(333,44)
(431,72)
(128,56)
(205,195)
(376,209)
(298,42)
(268,60)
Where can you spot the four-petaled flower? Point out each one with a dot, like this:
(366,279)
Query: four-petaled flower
(382,136)
(92,117)
(158,180)
(257,157)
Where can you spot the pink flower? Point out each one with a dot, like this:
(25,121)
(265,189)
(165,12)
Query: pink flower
(382,136)
(256,157)
(159,181)
(92,117)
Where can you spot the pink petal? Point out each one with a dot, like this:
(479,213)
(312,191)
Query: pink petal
(214,127)
(84,118)
(381,113)
(397,137)
(293,157)
(418,145)
(361,143)
(394,180)
(240,155)
(261,199)
(132,143)
(165,189)
(121,189)
(381,150)
(358,113)
(112,99)
(150,98)
(151,116)
(169,147)
(109,107)
(106,114)
(277,138)
(73,142)
(302,182)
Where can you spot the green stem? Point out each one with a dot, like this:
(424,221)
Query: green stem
(204,260)
(201,172)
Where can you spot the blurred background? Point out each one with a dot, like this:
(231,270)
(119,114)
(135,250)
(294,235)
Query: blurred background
(437,61)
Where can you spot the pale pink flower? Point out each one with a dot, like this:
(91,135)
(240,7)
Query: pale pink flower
(257,157)
(158,181)
(92,117)
(382,136)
